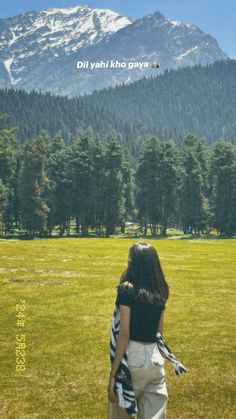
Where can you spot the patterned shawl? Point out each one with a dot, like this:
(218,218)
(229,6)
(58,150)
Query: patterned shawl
(123,382)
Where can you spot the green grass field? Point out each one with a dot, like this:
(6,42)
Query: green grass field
(69,288)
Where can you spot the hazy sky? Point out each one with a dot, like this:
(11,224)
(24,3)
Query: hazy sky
(216,17)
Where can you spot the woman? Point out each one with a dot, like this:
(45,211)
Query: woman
(141,297)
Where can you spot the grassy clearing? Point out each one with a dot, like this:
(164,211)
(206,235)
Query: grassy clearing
(69,288)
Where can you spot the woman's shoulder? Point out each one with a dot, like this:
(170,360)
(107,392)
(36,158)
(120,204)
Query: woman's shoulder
(124,294)
(125,287)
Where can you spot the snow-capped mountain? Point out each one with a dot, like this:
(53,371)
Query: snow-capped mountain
(40,50)
(39,37)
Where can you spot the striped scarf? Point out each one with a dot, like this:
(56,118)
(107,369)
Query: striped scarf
(123,382)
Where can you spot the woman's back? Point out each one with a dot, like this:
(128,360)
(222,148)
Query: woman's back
(144,316)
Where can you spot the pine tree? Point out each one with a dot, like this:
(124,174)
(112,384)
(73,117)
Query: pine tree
(148,185)
(168,182)
(232,209)
(82,181)
(58,195)
(193,201)
(222,175)
(114,202)
(99,185)
(4,191)
(8,153)
(34,210)
(128,188)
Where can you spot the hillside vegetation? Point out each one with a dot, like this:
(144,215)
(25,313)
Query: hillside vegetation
(198,100)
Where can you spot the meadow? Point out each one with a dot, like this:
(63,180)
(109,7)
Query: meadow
(68,285)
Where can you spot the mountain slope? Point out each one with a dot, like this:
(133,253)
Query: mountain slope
(149,39)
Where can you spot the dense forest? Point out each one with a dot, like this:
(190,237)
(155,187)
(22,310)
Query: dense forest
(46,183)
(197,100)
(33,112)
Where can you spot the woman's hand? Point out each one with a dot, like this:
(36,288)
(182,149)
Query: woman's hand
(110,390)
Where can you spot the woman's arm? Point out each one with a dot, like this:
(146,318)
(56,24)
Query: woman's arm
(123,338)
(160,325)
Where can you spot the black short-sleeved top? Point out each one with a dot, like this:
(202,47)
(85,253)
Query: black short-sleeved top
(144,316)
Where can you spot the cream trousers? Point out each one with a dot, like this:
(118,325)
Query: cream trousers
(146,366)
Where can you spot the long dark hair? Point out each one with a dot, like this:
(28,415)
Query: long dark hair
(144,274)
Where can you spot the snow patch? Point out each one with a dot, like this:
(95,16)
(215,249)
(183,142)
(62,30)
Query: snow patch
(110,20)
(184,55)
(14,37)
(193,27)
(67,10)
(175,22)
(8,64)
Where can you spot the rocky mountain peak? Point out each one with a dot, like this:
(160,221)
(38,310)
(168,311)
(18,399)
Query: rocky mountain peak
(40,49)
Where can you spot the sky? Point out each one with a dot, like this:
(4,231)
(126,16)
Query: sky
(215,17)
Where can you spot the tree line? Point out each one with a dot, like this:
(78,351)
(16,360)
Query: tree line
(46,183)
